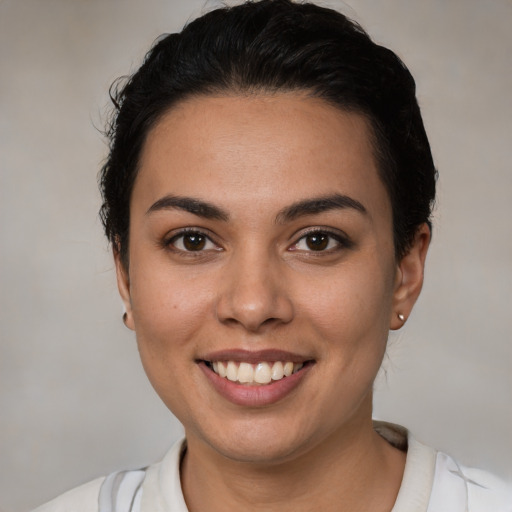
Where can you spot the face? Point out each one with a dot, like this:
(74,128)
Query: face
(262,279)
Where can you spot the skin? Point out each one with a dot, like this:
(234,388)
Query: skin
(257,284)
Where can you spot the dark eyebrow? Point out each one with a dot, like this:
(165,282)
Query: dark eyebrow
(191,205)
(318,205)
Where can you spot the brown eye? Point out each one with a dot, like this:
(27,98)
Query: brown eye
(321,241)
(194,242)
(317,241)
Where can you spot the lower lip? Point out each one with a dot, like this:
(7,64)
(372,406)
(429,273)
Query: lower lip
(255,396)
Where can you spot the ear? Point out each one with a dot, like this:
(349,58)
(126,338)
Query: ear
(409,278)
(123,285)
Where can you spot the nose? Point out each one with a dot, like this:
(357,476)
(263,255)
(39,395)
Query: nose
(254,294)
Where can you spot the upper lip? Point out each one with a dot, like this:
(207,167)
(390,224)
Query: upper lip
(254,356)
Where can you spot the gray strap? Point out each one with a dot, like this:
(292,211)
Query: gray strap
(120,490)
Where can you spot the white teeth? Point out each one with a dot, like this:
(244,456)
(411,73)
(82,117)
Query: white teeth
(261,373)
(277,371)
(245,373)
(221,369)
(232,371)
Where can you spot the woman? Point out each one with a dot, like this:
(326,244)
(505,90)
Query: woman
(268,196)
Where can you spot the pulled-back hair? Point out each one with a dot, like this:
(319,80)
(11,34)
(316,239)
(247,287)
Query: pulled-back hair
(272,46)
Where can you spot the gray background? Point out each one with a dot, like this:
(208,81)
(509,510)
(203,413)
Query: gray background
(74,402)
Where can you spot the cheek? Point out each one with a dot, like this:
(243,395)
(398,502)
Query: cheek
(169,315)
(351,309)
(168,310)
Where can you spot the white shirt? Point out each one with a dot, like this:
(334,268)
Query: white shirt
(432,482)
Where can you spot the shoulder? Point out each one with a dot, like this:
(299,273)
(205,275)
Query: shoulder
(435,482)
(118,492)
(478,490)
(156,488)
(80,499)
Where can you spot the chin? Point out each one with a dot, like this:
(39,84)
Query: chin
(258,451)
(263,442)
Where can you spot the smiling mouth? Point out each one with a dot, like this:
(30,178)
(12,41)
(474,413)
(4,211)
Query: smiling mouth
(255,374)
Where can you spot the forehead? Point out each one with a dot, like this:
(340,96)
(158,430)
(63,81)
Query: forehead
(259,149)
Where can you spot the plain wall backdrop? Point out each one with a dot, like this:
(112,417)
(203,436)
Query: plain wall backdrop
(74,402)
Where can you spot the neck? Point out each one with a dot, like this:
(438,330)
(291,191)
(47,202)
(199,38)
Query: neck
(354,469)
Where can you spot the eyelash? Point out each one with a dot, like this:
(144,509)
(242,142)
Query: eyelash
(170,243)
(341,242)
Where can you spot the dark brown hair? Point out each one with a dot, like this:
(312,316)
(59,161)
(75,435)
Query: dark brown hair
(271,46)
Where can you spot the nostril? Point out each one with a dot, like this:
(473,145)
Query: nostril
(253,300)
